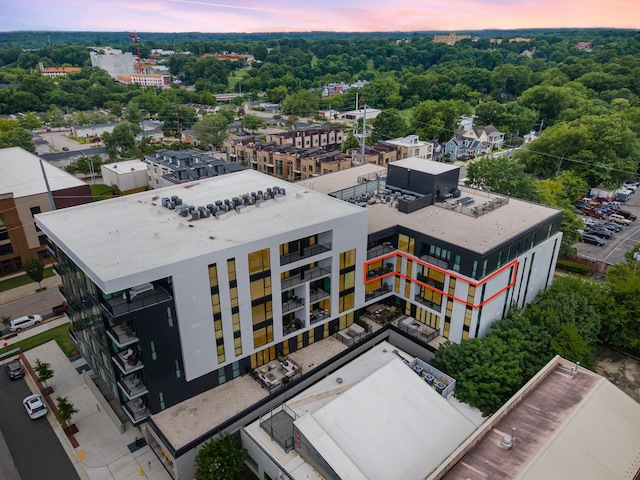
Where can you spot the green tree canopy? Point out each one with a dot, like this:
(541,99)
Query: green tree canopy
(433,119)
(221,458)
(388,124)
(502,175)
(212,129)
(34,268)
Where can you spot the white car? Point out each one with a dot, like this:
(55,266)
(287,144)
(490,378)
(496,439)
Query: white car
(18,324)
(35,406)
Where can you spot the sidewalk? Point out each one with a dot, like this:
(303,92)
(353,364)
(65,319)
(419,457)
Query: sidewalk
(98,450)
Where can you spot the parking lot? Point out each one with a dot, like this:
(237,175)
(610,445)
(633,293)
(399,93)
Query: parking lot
(614,249)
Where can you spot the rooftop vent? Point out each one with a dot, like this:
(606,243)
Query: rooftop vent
(506,442)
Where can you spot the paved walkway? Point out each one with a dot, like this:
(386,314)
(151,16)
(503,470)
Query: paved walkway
(99,451)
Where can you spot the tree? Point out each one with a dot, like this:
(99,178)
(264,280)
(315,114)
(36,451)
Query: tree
(13,135)
(570,345)
(303,102)
(502,175)
(34,268)
(179,116)
(44,372)
(66,409)
(252,122)
(486,371)
(220,458)
(29,121)
(120,142)
(432,119)
(388,124)
(212,129)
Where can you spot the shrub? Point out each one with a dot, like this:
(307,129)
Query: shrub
(574,267)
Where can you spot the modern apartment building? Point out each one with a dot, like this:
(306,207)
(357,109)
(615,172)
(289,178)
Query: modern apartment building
(23,194)
(169,167)
(414,147)
(114,64)
(200,283)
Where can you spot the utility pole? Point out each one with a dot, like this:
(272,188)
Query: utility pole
(364,135)
(179,128)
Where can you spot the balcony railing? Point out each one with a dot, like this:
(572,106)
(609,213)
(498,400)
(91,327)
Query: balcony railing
(136,410)
(300,278)
(431,305)
(318,315)
(378,292)
(292,305)
(128,361)
(122,335)
(380,250)
(318,294)
(306,252)
(132,386)
(119,306)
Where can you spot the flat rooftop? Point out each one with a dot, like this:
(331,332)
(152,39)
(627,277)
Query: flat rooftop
(198,415)
(126,166)
(136,233)
(336,181)
(373,418)
(477,234)
(22,174)
(426,166)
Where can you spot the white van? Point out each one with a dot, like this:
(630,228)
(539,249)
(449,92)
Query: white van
(18,324)
(138,289)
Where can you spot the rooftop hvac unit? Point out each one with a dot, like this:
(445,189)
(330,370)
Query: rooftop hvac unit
(429,378)
(418,369)
(204,212)
(165,201)
(182,210)
(440,387)
(195,215)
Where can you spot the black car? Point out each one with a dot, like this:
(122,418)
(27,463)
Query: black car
(592,239)
(600,232)
(14,369)
(613,226)
(627,215)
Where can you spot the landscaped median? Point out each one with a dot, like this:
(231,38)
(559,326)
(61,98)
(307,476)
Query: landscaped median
(60,334)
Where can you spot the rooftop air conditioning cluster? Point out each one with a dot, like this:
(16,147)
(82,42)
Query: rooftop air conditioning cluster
(220,208)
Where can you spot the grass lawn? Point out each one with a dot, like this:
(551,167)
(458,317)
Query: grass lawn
(59,334)
(234,78)
(21,280)
(101,191)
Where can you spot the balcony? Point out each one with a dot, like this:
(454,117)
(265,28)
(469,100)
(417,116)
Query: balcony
(380,250)
(292,305)
(132,386)
(122,335)
(317,294)
(290,325)
(378,272)
(117,306)
(378,292)
(305,252)
(127,361)
(317,315)
(300,278)
(431,305)
(136,410)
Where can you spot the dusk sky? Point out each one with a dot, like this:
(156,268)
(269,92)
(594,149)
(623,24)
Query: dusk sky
(325,15)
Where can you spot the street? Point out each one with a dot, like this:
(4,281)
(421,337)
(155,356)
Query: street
(34,447)
(40,303)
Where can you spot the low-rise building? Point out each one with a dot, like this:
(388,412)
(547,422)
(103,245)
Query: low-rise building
(23,194)
(129,176)
(414,147)
(59,71)
(146,79)
(170,167)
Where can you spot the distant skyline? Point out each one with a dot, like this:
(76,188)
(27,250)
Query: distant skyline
(313,15)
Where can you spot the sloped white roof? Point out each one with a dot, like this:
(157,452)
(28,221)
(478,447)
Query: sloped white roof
(390,425)
(21,174)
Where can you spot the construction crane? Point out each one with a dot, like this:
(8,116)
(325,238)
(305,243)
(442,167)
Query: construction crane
(136,40)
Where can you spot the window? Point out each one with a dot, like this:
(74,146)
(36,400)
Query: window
(178,372)
(154,355)
(35,211)
(259,261)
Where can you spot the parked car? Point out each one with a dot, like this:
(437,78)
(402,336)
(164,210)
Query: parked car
(18,324)
(626,214)
(14,369)
(60,309)
(592,239)
(613,226)
(35,407)
(618,219)
(600,232)
(589,222)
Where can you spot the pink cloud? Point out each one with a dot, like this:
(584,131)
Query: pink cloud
(332,15)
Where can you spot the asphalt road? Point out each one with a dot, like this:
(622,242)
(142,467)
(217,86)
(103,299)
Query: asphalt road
(41,303)
(623,241)
(33,445)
